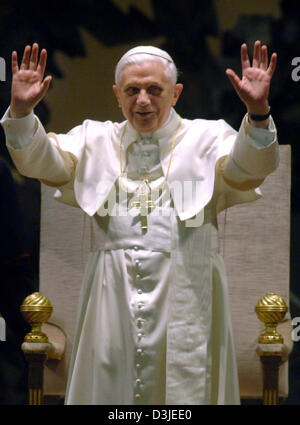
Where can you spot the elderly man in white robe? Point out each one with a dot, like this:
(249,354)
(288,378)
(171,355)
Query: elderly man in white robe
(153,323)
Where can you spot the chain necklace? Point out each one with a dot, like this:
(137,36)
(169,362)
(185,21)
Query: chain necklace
(143,199)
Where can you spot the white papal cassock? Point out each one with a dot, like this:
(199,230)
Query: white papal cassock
(153,324)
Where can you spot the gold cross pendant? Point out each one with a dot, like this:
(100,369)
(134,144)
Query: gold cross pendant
(144,203)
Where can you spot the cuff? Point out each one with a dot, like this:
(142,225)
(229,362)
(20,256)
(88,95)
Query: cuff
(251,158)
(260,138)
(18,131)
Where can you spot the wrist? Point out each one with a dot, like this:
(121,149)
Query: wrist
(262,109)
(259,117)
(260,121)
(15,113)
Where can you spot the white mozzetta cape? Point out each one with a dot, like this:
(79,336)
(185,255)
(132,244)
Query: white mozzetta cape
(88,159)
(221,168)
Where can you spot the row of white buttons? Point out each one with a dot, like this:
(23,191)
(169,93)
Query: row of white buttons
(138,381)
(139,324)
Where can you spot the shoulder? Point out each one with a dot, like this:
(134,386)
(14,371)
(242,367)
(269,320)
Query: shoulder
(208,136)
(214,126)
(95,127)
(91,131)
(101,137)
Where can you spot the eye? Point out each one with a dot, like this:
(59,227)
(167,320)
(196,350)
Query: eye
(131,91)
(154,90)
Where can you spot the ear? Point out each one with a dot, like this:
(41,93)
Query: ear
(117,94)
(177,92)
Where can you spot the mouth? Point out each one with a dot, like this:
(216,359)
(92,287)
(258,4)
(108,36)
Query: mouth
(144,114)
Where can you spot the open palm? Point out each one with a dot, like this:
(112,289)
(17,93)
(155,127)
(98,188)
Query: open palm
(254,86)
(28,83)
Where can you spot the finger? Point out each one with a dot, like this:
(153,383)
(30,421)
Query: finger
(34,56)
(244,57)
(25,59)
(234,79)
(43,89)
(42,63)
(256,54)
(45,86)
(272,65)
(14,62)
(264,58)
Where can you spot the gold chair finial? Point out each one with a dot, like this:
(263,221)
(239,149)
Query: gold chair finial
(270,310)
(37,309)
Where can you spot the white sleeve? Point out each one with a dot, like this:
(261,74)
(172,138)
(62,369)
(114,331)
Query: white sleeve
(261,138)
(252,158)
(34,153)
(18,131)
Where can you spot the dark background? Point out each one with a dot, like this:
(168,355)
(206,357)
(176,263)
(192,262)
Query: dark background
(191,32)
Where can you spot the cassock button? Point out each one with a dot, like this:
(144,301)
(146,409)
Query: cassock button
(139,323)
(139,291)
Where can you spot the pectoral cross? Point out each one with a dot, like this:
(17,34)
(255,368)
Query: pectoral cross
(144,203)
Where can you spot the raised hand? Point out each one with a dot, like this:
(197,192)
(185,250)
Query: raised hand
(254,87)
(28,83)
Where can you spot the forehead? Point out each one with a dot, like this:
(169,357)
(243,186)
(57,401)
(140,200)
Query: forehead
(144,73)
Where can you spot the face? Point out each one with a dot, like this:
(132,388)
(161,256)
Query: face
(146,95)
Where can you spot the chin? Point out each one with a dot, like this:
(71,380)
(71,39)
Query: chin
(146,125)
(144,128)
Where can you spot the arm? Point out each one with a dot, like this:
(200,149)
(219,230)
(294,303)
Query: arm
(255,152)
(34,153)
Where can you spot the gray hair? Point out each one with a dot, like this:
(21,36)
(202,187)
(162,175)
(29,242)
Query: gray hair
(141,54)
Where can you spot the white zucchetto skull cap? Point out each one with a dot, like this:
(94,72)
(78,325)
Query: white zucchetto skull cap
(148,50)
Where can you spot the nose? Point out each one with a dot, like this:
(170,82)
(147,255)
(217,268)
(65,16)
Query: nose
(143,98)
